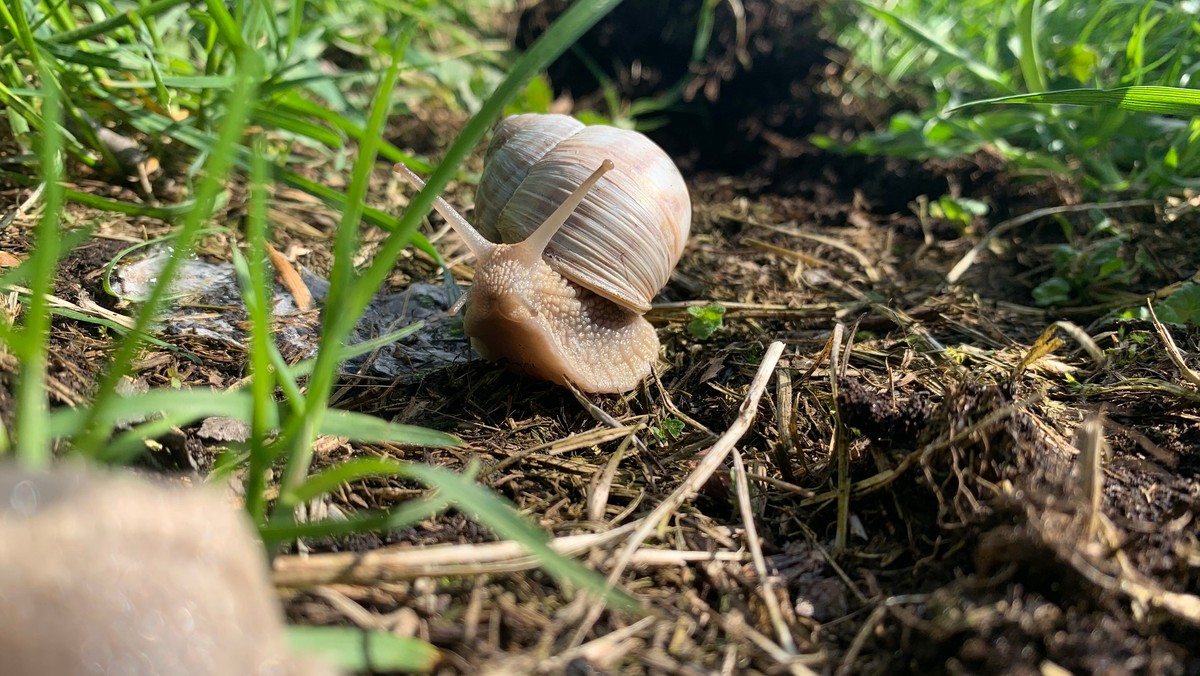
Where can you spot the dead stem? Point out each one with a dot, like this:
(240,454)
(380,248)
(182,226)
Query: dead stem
(765,579)
(699,476)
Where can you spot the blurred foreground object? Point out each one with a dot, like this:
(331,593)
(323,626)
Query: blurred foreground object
(109,574)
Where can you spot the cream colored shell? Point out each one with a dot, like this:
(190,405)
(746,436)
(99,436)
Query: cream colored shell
(624,239)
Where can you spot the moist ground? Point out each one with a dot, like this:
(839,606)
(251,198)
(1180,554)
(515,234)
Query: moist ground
(971,545)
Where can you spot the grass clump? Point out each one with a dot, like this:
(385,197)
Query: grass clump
(1104,87)
(235,92)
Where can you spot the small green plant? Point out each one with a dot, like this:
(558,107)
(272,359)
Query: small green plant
(961,211)
(707,320)
(1181,307)
(670,428)
(1084,270)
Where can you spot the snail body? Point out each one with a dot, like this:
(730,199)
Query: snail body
(578,227)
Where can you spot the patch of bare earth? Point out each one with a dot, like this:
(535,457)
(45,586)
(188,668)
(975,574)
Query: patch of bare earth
(933,485)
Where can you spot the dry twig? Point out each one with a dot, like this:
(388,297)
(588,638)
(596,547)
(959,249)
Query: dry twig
(699,476)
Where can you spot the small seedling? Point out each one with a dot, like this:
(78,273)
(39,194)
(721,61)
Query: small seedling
(708,319)
(671,427)
(960,211)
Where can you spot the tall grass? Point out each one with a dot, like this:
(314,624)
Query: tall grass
(237,85)
(946,54)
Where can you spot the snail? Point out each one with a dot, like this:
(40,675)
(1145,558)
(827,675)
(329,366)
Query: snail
(577,228)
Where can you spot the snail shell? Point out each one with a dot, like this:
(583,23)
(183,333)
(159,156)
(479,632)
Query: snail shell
(578,228)
(624,239)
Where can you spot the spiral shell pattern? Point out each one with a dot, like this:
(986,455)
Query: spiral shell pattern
(624,239)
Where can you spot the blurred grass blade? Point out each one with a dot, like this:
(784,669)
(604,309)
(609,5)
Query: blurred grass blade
(167,212)
(405,515)
(1032,69)
(180,406)
(257,294)
(344,284)
(99,420)
(32,343)
(115,22)
(1143,99)
(940,45)
(363,651)
(327,480)
(299,126)
(505,521)
(368,428)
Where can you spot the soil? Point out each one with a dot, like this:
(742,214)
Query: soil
(963,537)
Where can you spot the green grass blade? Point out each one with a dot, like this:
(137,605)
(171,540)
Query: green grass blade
(337,325)
(32,344)
(327,480)
(940,45)
(181,407)
(227,27)
(1142,99)
(1032,69)
(368,428)
(240,101)
(504,520)
(168,212)
(405,515)
(115,22)
(299,126)
(361,651)
(257,294)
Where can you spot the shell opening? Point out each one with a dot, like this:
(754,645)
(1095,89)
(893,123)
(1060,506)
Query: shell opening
(532,247)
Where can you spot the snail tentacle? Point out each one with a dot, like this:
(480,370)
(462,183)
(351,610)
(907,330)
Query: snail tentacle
(477,243)
(532,247)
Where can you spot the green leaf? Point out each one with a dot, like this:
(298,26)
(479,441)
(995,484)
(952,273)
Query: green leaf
(1053,291)
(182,407)
(1081,62)
(188,82)
(1181,307)
(673,427)
(75,55)
(960,210)
(1141,99)
(365,651)
(708,320)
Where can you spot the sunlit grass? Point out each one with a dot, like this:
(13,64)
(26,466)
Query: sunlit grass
(237,87)
(947,54)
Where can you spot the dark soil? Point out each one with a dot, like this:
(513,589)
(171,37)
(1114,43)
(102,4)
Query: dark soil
(971,546)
